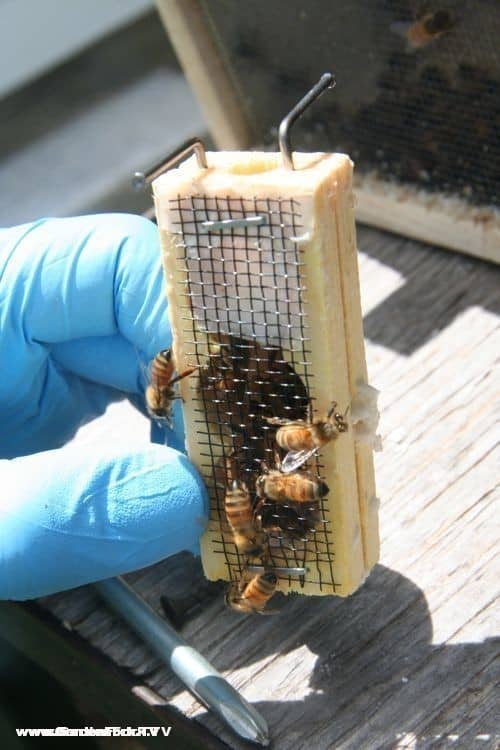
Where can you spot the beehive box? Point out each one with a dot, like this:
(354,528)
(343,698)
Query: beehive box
(417,110)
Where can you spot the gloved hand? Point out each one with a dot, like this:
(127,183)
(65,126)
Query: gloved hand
(81,304)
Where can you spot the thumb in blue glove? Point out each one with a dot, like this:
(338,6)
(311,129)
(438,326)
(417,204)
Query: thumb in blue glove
(79,299)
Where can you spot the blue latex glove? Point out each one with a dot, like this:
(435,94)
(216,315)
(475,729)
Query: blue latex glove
(81,304)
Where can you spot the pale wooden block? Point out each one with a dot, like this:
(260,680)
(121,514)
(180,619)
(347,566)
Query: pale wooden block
(321,190)
(436,218)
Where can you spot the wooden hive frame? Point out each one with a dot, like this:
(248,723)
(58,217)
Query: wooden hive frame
(430,217)
(322,254)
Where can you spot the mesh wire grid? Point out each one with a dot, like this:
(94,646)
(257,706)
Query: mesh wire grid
(245,325)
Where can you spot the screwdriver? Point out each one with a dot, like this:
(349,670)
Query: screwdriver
(191,667)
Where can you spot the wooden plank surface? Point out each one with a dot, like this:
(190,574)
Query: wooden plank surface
(448,221)
(411,660)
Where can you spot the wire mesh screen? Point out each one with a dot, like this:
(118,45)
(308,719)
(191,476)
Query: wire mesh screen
(418,94)
(244,324)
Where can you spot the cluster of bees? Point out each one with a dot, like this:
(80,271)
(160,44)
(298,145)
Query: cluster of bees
(253,395)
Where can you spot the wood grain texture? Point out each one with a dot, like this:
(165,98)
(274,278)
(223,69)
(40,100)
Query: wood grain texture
(429,216)
(411,660)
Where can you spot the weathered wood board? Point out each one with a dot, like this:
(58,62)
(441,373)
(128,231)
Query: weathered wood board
(409,660)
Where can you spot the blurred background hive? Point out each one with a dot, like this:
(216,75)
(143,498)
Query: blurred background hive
(417,105)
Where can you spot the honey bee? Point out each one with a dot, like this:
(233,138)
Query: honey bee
(239,513)
(297,487)
(302,439)
(425,29)
(252,596)
(160,392)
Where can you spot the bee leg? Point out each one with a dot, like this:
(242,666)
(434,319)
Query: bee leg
(258,509)
(182,375)
(260,495)
(310,412)
(277,458)
(166,421)
(332,410)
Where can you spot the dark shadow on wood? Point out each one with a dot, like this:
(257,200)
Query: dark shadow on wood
(81,681)
(30,697)
(377,676)
(439,285)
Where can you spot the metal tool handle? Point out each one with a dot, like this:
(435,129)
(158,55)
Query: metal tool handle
(327,81)
(191,667)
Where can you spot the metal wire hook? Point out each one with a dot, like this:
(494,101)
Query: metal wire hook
(327,81)
(194,145)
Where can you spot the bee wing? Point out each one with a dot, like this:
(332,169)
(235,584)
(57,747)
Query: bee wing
(401,28)
(294,459)
(144,369)
(165,421)
(279,421)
